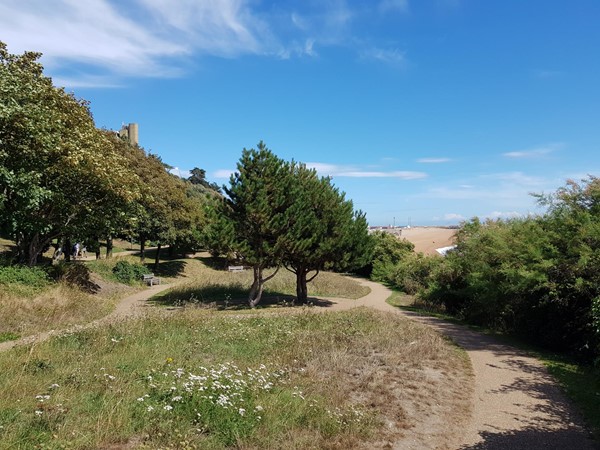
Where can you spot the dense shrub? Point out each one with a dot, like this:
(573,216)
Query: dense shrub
(24,275)
(537,277)
(388,250)
(127,272)
(414,272)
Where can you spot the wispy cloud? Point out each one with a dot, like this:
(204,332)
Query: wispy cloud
(334,170)
(453,216)
(107,39)
(433,160)
(386,6)
(503,215)
(393,57)
(516,179)
(103,42)
(535,153)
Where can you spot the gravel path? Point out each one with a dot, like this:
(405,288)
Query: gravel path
(516,404)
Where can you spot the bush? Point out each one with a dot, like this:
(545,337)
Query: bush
(128,273)
(413,274)
(29,276)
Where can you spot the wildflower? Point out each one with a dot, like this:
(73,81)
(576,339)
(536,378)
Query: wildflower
(169,360)
(177,398)
(167,407)
(54,386)
(242,411)
(140,399)
(150,408)
(38,412)
(258,408)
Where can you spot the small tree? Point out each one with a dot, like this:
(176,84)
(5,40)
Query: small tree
(321,229)
(257,200)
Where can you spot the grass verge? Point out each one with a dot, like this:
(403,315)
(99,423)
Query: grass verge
(197,379)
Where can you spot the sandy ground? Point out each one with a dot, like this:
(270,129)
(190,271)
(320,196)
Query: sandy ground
(427,239)
(516,404)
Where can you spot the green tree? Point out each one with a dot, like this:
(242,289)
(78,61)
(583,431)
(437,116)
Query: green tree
(257,201)
(321,229)
(55,166)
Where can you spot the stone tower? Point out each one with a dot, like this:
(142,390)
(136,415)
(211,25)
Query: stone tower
(130,133)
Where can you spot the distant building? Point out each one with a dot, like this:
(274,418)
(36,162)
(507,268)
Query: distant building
(129,133)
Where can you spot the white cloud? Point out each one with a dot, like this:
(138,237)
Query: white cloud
(503,215)
(535,153)
(433,160)
(180,173)
(112,40)
(223,173)
(454,217)
(333,170)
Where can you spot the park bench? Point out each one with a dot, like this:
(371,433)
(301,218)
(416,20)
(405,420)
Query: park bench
(235,268)
(150,279)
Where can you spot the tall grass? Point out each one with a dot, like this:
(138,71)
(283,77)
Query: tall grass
(57,306)
(197,379)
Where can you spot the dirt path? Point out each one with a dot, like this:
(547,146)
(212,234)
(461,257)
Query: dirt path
(516,404)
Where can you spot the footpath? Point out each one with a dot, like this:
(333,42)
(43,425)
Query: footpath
(516,404)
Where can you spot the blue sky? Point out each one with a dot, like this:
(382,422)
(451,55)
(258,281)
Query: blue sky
(432,111)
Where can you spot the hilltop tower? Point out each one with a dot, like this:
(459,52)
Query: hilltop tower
(130,133)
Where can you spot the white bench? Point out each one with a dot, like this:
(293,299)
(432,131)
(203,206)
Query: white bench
(235,268)
(150,279)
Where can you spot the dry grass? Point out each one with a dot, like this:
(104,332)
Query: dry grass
(355,379)
(418,382)
(56,307)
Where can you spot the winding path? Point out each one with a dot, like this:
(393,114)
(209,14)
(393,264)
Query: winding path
(516,404)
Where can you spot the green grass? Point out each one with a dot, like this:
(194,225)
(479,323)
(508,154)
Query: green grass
(258,382)
(8,336)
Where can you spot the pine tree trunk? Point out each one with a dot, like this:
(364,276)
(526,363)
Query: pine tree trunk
(257,287)
(301,288)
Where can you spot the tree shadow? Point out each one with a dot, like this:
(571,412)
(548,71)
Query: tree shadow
(531,438)
(216,263)
(171,269)
(232,298)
